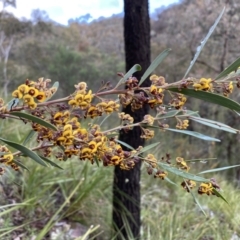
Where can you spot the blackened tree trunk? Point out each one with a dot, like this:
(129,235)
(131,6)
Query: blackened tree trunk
(126,188)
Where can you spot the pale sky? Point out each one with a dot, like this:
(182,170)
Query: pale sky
(62,10)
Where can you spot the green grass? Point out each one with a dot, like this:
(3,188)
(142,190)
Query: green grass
(170,213)
(82,193)
(41,192)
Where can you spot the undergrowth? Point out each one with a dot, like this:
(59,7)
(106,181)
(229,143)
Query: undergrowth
(29,207)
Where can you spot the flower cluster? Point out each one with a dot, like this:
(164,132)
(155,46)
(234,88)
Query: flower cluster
(182,124)
(6,157)
(209,188)
(204,188)
(178,101)
(181,163)
(153,167)
(86,143)
(227,88)
(210,85)
(31,91)
(126,121)
(188,184)
(3,108)
(153,96)
(83,99)
(203,84)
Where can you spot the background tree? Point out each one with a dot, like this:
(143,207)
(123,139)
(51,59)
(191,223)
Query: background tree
(126,188)
(11,29)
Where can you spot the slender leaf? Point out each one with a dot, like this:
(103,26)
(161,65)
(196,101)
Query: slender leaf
(173,113)
(200,47)
(25,151)
(34,119)
(195,199)
(113,134)
(20,165)
(218,194)
(194,134)
(237,113)
(125,144)
(105,118)
(18,184)
(214,124)
(169,114)
(202,159)
(89,233)
(56,216)
(232,67)
(150,146)
(154,64)
(190,113)
(181,173)
(9,231)
(3,153)
(209,97)
(55,85)
(50,162)
(219,169)
(96,161)
(12,103)
(134,69)
(29,137)
(170,181)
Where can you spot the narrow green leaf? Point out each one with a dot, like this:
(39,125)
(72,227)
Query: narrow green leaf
(9,231)
(237,113)
(105,118)
(113,134)
(202,159)
(18,184)
(3,153)
(34,119)
(20,165)
(181,173)
(96,161)
(209,97)
(58,213)
(170,181)
(218,194)
(219,169)
(200,47)
(173,113)
(134,69)
(29,137)
(55,85)
(194,134)
(169,114)
(12,103)
(213,124)
(232,67)
(154,64)
(50,162)
(63,149)
(190,113)
(195,199)
(124,144)
(150,146)
(25,151)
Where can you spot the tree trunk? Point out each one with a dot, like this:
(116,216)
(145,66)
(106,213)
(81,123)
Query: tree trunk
(126,188)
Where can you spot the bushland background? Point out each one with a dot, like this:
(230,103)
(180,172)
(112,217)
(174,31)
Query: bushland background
(94,52)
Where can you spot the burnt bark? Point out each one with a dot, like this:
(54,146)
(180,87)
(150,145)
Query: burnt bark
(126,186)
